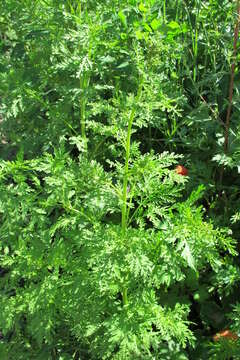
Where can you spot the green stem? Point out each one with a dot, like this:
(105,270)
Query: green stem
(195,54)
(84,82)
(164,11)
(79,10)
(177,9)
(124,296)
(195,45)
(194,35)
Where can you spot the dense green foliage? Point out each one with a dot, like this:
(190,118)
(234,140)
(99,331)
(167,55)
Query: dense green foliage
(105,251)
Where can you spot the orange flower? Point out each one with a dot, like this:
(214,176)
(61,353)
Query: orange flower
(181,170)
(225,334)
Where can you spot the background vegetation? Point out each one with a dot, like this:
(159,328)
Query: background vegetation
(106,251)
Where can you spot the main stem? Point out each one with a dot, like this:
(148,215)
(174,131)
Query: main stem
(126,177)
(84,82)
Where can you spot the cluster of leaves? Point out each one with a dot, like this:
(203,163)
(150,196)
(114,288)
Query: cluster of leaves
(66,261)
(106,252)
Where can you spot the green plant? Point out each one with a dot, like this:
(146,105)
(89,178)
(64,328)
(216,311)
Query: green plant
(68,255)
(107,252)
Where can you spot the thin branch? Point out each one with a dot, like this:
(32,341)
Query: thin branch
(230,95)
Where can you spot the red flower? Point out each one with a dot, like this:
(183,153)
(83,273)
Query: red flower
(181,170)
(225,334)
